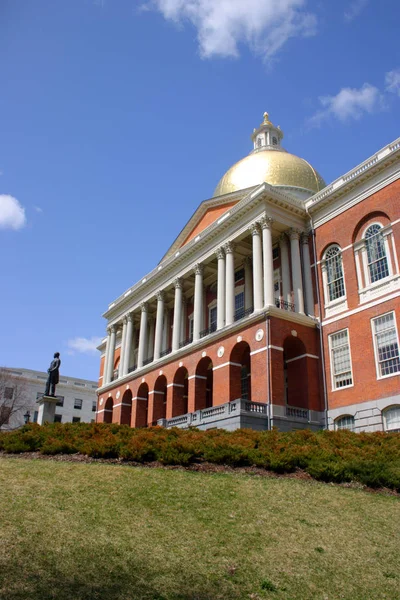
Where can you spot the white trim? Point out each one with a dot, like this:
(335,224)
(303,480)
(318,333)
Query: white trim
(344,387)
(197,377)
(259,350)
(122,404)
(361,308)
(175,385)
(302,356)
(157,392)
(275,348)
(139,398)
(378,375)
(227,364)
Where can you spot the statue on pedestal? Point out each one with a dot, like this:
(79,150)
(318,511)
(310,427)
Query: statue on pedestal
(54,376)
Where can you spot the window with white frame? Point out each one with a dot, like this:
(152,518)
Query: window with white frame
(340,359)
(212,317)
(392,419)
(386,345)
(334,278)
(239,305)
(78,402)
(191,326)
(346,422)
(378,267)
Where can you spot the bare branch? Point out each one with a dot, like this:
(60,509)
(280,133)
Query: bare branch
(13,396)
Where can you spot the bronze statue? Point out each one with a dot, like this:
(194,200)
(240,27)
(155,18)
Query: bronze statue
(54,376)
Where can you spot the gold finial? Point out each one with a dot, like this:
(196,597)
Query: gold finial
(266,119)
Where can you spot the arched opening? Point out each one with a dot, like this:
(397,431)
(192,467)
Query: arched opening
(203,394)
(295,372)
(240,372)
(108,410)
(126,408)
(142,402)
(159,399)
(180,392)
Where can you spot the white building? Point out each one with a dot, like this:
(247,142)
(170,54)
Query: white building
(76,398)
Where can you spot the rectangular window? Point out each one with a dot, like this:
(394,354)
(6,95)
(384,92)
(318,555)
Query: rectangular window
(340,359)
(78,383)
(76,419)
(57,418)
(5,413)
(386,345)
(60,400)
(78,403)
(191,325)
(275,252)
(239,305)
(94,406)
(239,275)
(35,416)
(8,393)
(213,318)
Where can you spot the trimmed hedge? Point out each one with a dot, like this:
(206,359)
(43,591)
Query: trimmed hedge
(372,459)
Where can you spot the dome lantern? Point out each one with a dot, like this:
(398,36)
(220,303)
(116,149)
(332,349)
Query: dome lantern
(267,135)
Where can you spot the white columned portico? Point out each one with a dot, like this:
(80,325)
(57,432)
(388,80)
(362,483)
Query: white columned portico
(257,267)
(150,346)
(110,362)
(268,261)
(142,334)
(285,269)
(229,284)
(176,330)
(296,270)
(128,344)
(221,289)
(167,328)
(159,325)
(198,301)
(184,319)
(248,284)
(307,275)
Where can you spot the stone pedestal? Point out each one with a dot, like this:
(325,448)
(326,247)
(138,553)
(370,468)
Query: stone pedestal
(47,409)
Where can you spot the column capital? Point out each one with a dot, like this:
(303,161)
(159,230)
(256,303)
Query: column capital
(305,237)
(198,269)
(160,295)
(294,234)
(129,317)
(247,261)
(229,247)
(266,222)
(178,283)
(144,307)
(111,329)
(219,253)
(254,229)
(283,239)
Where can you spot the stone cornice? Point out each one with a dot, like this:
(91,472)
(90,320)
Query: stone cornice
(365,170)
(265,196)
(270,311)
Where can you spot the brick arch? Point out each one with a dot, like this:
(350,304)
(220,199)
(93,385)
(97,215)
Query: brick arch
(126,408)
(240,372)
(295,372)
(180,392)
(328,245)
(142,402)
(371,217)
(108,410)
(158,400)
(203,389)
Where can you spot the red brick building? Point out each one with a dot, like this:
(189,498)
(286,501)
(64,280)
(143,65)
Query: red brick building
(277,304)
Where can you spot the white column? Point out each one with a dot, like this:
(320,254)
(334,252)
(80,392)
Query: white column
(198,301)
(150,346)
(183,320)
(268,261)
(110,365)
(307,275)
(285,269)
(122,349)
(221,288)
(107,356)
(142,335)
(257,267)
(176,331)
(159,325)
(229,284)
(128,344)
(248,283)
(296,270)
(167,327)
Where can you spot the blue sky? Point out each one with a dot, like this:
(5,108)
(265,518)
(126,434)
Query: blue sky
(119,117)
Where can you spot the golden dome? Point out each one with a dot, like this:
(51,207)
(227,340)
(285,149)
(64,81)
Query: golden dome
(275,167)
(270,163)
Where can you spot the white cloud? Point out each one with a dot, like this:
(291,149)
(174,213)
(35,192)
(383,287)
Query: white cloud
(392,81)
(355,9)
(12,214)
(222,25)
(38,209)
(83,345)
(349,103)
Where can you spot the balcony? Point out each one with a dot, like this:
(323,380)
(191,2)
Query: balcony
(284,305)
(208,330)
(165,352)
(186,342)
(241,313)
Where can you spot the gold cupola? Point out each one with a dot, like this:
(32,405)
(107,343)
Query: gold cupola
(270,163)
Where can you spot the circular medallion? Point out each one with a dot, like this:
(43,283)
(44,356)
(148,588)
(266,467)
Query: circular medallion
(117,395)
(143,380)
(204,354)
(181,364)
(101,401)
(259,335)
(160,372)
(239,338)
(220,351)
(127,387)
(294,333)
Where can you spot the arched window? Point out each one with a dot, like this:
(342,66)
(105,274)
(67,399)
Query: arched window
(346,422)
(274,141)
(259,142)
(376,253)
(392,419)
(334,274)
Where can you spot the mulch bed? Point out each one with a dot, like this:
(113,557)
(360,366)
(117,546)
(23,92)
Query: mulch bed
(204,467)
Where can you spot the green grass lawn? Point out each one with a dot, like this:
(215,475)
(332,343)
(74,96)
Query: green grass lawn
(73,531)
